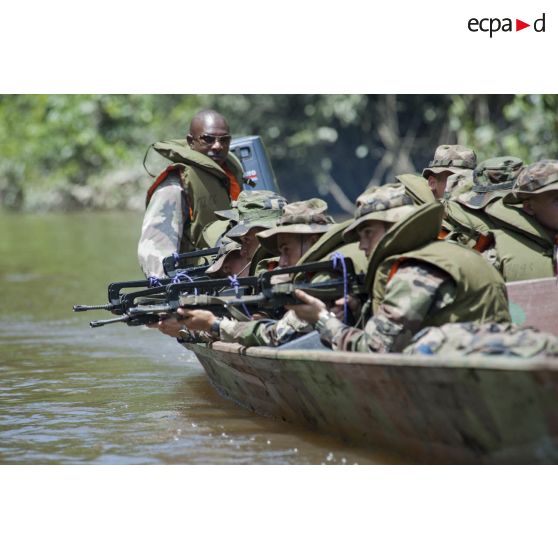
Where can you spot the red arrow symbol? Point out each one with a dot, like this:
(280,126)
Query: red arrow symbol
(519,25)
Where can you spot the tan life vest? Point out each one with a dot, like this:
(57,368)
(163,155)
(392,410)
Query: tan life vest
(467,219)
(261,255)
(332,241)
(205,184)
(480,291)
(468,227)
(526,249)
(417,187)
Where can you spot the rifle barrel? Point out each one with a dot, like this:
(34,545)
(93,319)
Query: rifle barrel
(99,323)
(85,307)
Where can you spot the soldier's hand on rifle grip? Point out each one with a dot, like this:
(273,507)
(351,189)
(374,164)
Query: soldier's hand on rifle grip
(310,308)
(197,320)
(168,326)
(354,303)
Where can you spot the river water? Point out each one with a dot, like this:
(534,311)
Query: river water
(116,394)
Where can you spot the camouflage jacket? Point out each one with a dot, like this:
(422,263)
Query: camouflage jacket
(162,227)
(415,291)
(459,339)
(268,333)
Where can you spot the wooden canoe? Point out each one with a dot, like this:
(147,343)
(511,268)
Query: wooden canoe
(432,410)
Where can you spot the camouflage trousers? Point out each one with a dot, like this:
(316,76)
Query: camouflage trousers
(493,339)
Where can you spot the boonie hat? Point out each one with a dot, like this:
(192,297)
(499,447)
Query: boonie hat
(534,179)
(256,208)
(389,203)
(227,248)
(303,217)
(491,179)
(453,158)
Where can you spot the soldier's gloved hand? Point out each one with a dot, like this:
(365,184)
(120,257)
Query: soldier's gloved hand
(168,326)
(310,310)
(354,304)
(197,320)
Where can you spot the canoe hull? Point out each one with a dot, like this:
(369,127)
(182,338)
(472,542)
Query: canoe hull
(487,411)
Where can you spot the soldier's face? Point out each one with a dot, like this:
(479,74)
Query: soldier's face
(249,243)
(234,263)
(293,246)
(212,138)
(369,235)
(544,208)
(437,183)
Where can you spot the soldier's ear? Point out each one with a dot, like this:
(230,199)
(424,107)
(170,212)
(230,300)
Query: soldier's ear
(527,207)
(190,139)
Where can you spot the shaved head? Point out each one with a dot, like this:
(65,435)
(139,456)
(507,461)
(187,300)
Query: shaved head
(210,135)
(207,117)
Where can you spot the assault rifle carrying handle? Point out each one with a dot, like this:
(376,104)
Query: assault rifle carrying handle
(172,264)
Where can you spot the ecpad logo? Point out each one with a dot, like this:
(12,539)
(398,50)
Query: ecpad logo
(494,24)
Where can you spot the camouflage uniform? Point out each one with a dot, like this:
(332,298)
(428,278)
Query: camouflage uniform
(266,333)
(432,282)
(454,340)
(181,202)
(525,249)
(305,217)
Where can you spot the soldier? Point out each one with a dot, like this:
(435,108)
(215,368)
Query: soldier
(257,211)
(466,219)
(229,260)
(202,178)
(299,228)
(414,280)
(448,159)
(527,219)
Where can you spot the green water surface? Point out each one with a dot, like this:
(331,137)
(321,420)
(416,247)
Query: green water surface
(116,394)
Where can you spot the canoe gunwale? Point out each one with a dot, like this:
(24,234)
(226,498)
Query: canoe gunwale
(484,363)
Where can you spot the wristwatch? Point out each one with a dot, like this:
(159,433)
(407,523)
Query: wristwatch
(323,317)
(184,336)
(215,329)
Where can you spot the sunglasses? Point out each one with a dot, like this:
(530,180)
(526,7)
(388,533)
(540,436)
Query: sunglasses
(209,139)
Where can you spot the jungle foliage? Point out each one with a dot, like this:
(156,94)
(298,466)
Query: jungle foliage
(86,151)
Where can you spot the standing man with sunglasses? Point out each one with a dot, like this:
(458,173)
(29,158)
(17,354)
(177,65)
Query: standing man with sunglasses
(203,177)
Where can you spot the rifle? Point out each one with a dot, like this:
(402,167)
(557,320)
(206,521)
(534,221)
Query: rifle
(273,297)
(223,296)
(143,314)
(116,297)
(144,307)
